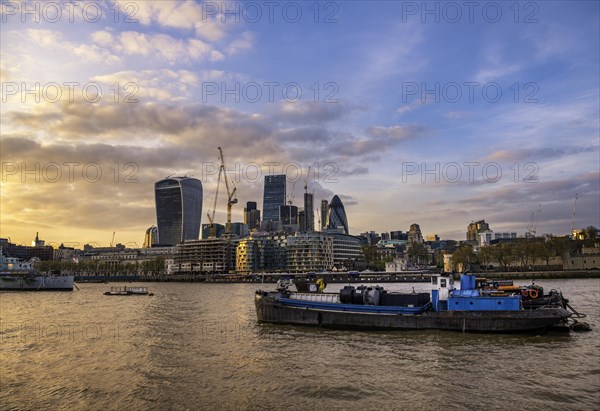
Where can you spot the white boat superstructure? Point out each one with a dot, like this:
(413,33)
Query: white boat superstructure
(17,275)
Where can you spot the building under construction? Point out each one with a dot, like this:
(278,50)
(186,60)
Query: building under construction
(206,256)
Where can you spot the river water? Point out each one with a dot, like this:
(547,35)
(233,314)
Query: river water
(199,347)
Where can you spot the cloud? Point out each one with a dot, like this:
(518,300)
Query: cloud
(456,114)
(244,42)
(158,85)
(302,112)
(49,39)
(205,19)
(395,133)
(158,45)
(538,154)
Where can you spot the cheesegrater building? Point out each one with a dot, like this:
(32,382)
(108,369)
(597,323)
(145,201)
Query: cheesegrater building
(178,209)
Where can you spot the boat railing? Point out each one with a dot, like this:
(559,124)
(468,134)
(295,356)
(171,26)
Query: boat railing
(333,298)
(136,289)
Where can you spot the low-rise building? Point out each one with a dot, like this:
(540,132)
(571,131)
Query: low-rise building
(261,252)
(346,249)
(309,252)
(206,256)
(486,237)
(588,259)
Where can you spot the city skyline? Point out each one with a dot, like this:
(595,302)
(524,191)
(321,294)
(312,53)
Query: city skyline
(393,114)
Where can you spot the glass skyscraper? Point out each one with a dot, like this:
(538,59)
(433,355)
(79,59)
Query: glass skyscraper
(178,209)
(309,212)
(337,214)
(273,197)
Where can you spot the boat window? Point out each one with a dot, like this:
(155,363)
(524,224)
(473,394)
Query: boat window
(443,282)
(434,280)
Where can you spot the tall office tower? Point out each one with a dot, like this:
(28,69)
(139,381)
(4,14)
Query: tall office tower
(309,213)
(178,209)
(324,214)
(337,214)
(302,220)
(273,197)
(251,215)
(288,214)
(151,237)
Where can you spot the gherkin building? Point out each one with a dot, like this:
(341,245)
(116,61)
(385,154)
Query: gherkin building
(337,214)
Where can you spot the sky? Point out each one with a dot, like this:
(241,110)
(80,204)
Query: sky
(436,113)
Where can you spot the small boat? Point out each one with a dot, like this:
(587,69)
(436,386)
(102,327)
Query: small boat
(468,309)
(128,291)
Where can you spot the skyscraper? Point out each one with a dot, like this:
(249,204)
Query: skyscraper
(178,209)
(273,197)
(337,214)
(151,237)
(324,214)
(309,213)
(289,214)
(251,215)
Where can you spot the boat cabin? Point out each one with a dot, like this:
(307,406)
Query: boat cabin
(441,286)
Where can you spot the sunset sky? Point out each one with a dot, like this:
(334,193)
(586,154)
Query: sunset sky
(499,104)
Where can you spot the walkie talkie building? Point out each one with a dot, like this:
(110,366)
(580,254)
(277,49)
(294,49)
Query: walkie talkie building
(178,209)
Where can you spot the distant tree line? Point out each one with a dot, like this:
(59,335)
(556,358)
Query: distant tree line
(522,254)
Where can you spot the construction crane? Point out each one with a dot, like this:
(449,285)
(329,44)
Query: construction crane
(319,217)
(231,200)
(291,196)
(532,227)
(113,239)
(574,210)
(211,216)
(306,180)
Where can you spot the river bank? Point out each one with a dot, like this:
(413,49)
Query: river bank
(373,277)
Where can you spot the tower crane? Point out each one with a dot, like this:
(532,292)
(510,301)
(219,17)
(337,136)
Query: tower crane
(306,180)
(211,216)
(532,227)
(291,196)
(574,210)
(231,200)
(319,217)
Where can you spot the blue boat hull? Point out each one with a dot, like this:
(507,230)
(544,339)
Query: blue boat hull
(270,309)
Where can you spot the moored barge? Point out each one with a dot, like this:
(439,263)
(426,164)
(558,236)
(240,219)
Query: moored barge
(468,309)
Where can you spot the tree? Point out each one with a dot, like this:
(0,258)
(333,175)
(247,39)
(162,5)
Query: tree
(524,252)
(545,252)
(504,255)
(464,257)
(486,255)
(416,252)
(590,233)
(372,257)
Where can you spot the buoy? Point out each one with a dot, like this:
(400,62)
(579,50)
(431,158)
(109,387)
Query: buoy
(533,293)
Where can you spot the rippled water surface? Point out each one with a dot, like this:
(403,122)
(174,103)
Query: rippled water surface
(198,346)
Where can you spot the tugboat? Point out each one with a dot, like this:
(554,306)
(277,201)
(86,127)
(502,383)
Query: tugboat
(468,309)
